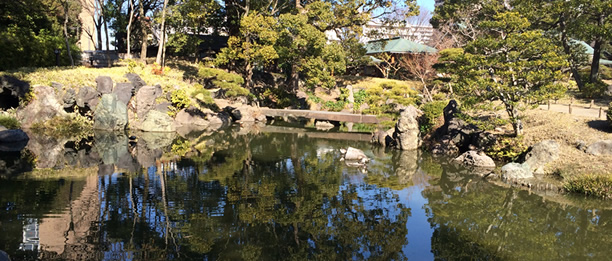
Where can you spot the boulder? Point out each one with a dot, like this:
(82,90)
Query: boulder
(145,99)
(407,129)
(157,121)
(88,97)
(69,98)
(516,171)
(44,107)
(57,86)
(2,128)
(104,84)
(456,136)
(323,125)
(474,158)
(191,117)
(541,154)
(124,91)
(353,154)
(13,140)
(163,107)
(136,81)
(602,147)
(110,114)
(219,120)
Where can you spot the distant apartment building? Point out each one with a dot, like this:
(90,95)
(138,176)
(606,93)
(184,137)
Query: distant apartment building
(438,3)
(376,30)
(88,30)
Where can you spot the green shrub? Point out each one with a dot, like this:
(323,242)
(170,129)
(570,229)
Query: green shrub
(431,112)
(592,185)
(230,83)
(205,94)
(9,122)
(377,97)
(180,100)
(72,125)
(592,90)
(334,106)
(605,72)
(507,149)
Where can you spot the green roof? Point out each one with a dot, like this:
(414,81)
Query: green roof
(590,51)
(397,45)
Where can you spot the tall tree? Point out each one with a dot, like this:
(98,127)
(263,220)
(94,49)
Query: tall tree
(510,63)
(162,41)
(129,27)
(254,46)
(143,30)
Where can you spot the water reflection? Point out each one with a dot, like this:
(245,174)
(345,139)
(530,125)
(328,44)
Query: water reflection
(280,195)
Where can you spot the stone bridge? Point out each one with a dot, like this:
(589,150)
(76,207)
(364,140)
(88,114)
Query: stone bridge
(323,115)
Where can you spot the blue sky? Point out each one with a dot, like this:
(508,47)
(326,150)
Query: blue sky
(428,4)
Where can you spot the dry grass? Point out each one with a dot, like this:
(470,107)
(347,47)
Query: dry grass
(567,130)
(365,82)
(76,77)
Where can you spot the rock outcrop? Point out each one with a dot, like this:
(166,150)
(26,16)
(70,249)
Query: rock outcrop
(602,147)
(104,84)
(474,158)
(42,108)
(156,121)
(516,171)
(407,130)
(124,92)
(110,114)
(87,98)
(542,154)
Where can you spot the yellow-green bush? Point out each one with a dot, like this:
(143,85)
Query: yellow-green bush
(507,149)
(431,112)
(9,122)
(592,185)
(230,83)
(377,97)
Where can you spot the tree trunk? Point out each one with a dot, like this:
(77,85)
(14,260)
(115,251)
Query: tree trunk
(567,49)
(249,74)
(162,41)
(595,63)
(295,78)
(98,25)
(129,28)
(143,26)
(66,33)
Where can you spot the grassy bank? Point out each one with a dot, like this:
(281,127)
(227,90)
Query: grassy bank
(592,185)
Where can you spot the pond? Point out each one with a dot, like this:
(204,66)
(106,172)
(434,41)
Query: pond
(276,194)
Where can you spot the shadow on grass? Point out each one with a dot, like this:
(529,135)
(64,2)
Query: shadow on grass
(190,71)
(600,125)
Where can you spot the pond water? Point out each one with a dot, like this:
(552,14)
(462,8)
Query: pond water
(276,194)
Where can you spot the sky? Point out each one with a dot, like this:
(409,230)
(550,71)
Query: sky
(428,4)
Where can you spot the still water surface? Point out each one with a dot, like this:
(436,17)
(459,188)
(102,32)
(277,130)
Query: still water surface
(244,195)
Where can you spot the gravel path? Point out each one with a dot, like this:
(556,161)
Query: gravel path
(577,109)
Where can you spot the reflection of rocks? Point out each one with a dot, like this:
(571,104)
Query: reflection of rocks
(151,146)
(324,125)
(476,162)
(111,146)
(15,163)
(49,151)
(407,166)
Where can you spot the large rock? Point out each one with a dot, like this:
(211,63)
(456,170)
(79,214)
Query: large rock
(407,129)
(219,120)
(457,136)
(44,107)
(383,138)
(353,154)
(516,171)
(124,91)
(145,99)
(110,114)
(104,84)
(13,140)
(69,98)
(474,158)
(136,81)
(602,147)
(324,125)
(88,97)
(157,121)
(191,117)
(541,154)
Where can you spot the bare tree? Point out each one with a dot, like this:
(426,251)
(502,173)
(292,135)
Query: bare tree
(162,42)
(420,65)
(66,4)
(143,28)
(129,27)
